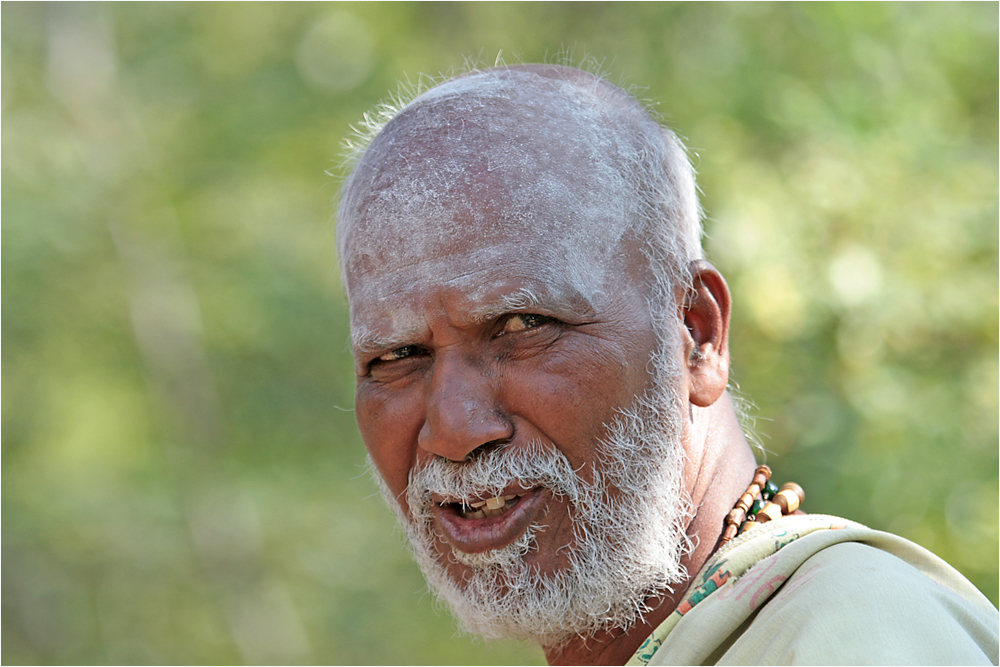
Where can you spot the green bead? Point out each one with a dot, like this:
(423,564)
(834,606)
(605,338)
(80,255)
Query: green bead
(770,488)
(757,506)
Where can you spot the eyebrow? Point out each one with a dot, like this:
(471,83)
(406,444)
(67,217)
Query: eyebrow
(520,301)
(366,342)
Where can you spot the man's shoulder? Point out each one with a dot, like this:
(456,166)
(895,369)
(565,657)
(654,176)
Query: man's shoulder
(858,603)
(816,589)
(867,575)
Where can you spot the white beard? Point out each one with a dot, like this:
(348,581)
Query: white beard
(628,534)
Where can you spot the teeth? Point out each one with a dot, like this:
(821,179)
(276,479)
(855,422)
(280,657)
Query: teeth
(490,507)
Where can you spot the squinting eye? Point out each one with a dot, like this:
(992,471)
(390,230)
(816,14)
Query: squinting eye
(524,321)
(399,353)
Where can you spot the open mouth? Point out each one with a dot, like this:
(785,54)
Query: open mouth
(476,524)
(488,508)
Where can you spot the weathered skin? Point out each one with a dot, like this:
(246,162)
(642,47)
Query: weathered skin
(453,232)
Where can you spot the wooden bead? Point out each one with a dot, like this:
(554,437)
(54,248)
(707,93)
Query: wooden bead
(760,477)
(762,502)
(770,512)
(788,501)
(796,489)
(745,501)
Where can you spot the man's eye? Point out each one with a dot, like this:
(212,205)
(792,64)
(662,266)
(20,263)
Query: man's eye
(399,353)
(523,322)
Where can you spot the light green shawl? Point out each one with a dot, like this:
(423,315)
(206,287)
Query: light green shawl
(815,589)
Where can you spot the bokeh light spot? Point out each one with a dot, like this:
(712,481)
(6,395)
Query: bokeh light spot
(337,52)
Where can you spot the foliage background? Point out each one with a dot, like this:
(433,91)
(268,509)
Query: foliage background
(182,478)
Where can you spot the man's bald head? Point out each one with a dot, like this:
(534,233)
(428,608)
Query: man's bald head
(517,153)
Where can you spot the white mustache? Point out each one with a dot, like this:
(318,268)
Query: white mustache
(490,473)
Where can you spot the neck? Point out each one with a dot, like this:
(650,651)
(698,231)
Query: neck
(719,466)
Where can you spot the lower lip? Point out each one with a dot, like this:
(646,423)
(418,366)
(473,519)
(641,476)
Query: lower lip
(477,535)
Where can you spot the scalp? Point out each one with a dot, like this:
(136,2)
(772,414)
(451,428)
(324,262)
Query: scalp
(500,153)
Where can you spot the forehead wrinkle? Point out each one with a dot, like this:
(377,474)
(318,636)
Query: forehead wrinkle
(401,284)
(537,261)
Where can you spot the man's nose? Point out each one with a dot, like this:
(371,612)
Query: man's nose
(463,411)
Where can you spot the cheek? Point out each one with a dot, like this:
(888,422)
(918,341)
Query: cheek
(571,396)
(388,431)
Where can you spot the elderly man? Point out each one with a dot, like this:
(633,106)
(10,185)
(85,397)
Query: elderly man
(542,360)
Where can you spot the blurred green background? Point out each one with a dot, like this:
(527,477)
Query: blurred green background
(182,477)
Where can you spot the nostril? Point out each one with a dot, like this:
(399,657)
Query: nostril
(486,448)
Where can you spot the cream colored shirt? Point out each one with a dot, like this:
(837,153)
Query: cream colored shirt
(814,589)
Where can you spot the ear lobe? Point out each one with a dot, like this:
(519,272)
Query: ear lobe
(706,316)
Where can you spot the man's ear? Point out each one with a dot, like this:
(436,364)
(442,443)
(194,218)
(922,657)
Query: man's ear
(706,344)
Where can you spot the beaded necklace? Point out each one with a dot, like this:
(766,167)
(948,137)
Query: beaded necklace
(762,502)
